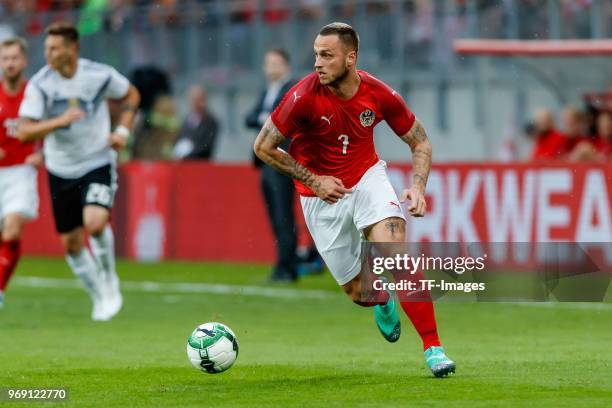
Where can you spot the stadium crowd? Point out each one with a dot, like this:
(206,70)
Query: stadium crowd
(532,13)
(164,133)
(582,136)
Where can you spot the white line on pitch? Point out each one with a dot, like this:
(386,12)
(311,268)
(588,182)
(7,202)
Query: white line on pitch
(182,287)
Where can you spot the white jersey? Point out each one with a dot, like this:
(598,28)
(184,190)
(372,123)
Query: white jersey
(83,146)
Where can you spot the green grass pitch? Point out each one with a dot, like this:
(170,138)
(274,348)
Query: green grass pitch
(311,348)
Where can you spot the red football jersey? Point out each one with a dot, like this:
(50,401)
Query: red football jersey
(15,152)
(334,137)
(550,145)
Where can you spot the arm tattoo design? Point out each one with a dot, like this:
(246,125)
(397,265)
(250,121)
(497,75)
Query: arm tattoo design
(271,138)
(417,139)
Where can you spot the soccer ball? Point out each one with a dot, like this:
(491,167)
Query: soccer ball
(212,347)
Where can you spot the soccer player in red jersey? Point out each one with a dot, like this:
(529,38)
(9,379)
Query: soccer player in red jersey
(18,161)
(345,191)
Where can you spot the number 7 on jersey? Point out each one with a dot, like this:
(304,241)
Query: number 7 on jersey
(345,142)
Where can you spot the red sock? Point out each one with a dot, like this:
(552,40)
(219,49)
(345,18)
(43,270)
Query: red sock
(376,297)
(420,311)
(10,251)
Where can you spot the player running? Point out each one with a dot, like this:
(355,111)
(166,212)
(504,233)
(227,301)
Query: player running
(18,161)
(65,104)
(345,191)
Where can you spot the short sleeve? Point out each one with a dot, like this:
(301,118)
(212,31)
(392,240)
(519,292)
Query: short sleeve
(396,112)
(33,104)
(291,112)
(118,85)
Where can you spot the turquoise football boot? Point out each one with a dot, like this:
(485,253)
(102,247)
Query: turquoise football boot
(438,363)
(388,320)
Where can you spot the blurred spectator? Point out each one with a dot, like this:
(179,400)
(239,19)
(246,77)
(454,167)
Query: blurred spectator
(603,140)
(164,12)
(154,141)
(151,82)
(595,148)
(311,9)
(198,134)
(277,189)
(577,146)
(91,19)
(549,143)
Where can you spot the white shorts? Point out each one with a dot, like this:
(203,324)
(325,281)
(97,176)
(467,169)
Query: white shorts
(337,228)
(19,191)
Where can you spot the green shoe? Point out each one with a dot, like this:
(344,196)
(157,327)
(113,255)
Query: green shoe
(438,363)
(388,321)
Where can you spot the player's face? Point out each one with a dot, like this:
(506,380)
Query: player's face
(12,62)
(58,51)
(332,59)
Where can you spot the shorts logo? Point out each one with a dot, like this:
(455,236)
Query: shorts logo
(99,194)
(367,118)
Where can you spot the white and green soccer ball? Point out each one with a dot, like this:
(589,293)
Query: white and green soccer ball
(212,347)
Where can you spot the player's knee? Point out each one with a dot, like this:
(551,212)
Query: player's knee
(73,242)
(95,226)
(11,233)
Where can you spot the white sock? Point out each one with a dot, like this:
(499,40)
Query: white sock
(103,248)
(84,267)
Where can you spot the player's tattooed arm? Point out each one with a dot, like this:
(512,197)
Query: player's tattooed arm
(328,188)
(267,149)
(417,139)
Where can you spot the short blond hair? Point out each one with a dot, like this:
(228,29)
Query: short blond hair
(18,41)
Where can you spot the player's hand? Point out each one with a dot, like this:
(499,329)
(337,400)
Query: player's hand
(117,142)
(2,153)
(71,115)
(35,159)
(329,189)
(418,206)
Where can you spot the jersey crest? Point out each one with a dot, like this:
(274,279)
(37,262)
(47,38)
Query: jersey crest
(367,118)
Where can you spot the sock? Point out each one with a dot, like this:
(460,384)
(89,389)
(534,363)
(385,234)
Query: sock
(10,252)
(84,267)
(103,248)
(370,296)
(420,311)
(380,297)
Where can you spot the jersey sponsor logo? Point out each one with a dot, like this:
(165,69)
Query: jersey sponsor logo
(367,118)
(328,120)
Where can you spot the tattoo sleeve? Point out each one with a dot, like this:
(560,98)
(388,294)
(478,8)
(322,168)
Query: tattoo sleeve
(266,148)
(417,139)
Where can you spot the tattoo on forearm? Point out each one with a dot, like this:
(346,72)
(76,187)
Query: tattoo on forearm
(282,161)
(417,139)
(415,135)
